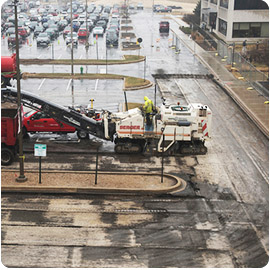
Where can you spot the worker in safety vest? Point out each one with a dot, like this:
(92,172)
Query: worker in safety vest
(148,109)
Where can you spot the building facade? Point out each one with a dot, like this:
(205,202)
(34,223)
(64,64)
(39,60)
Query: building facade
(236,20)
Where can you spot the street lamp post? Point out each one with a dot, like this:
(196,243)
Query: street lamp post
(21,177)
(72,62)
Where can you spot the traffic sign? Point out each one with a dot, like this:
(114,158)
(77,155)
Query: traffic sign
(40,150)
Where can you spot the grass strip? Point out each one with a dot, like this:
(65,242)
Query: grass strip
(127,59)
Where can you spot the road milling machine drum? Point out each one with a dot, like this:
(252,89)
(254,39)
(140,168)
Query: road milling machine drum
(174,128)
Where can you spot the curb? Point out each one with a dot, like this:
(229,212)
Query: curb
(179,186)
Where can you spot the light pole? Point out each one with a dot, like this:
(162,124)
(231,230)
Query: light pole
(21,177)
(72,64)
(86,23)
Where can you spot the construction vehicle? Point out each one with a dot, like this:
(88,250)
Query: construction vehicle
(175,128)
(8,69)
(9,131)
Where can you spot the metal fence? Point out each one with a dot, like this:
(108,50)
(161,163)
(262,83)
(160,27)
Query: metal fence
(245,68)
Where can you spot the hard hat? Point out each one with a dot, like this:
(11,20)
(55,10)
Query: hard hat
(145,98)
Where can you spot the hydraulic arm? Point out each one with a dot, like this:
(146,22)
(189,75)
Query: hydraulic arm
(66,115)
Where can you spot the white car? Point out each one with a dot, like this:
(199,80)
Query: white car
(74,37)
(98,30)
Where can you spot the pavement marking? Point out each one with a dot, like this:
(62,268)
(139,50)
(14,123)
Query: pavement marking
(81,56)
(39,56)
(96,84)
(68,85)
(59,56)
(41,84)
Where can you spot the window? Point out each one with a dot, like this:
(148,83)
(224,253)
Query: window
(224,3)
(251,29)
(213,1)
(249,4)
(222,27)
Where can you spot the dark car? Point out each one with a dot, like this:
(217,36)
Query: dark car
(66,31)
(93,17)
(164,27)
(104,16)
(164,9)
(115,28)
(51,33)
(111,38)
(12,40)
(43,39)
(38,30)
(102,23)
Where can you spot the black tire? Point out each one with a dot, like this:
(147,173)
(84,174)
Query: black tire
(82,135)
(7,156)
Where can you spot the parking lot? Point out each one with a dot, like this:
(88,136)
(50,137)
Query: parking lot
(220,220)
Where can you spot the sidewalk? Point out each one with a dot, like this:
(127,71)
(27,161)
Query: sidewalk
(252,102)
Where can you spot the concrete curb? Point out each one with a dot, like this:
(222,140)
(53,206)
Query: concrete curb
(179,186)
(138,87)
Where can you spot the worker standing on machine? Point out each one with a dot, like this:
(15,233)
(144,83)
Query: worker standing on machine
(148,109)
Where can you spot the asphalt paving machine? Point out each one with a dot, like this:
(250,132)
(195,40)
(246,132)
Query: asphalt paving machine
(174,128)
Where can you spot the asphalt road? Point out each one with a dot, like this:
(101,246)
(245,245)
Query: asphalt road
(221,220)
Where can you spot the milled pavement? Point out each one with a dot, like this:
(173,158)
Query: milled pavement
(251,101)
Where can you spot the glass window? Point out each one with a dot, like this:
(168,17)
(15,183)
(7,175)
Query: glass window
(222,27)
(224,3)
(265,30)
(251,30)
(249,4)
(213,1)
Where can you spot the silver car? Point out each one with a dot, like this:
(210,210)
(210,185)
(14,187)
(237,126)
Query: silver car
(98,30)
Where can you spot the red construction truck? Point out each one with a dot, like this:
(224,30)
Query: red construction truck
(8,69)
(9,132)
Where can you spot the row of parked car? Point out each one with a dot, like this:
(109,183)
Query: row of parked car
(46,23)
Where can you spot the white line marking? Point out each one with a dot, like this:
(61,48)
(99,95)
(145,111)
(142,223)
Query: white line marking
(59,56)
(96,85)
(39,56)
(81,56)
(41,84)
(68,84)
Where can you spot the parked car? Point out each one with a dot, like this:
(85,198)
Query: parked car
(51,33)
(140,6)
(38,30)
(83,33)
(10,31)
(114,28)
(37,121)
(43,39)
(66,31)
(163,9)
(98,30)
(22,32)
(32,25)
(12,40)
(111,38)
(76,25)
(102,23)
(74,38)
